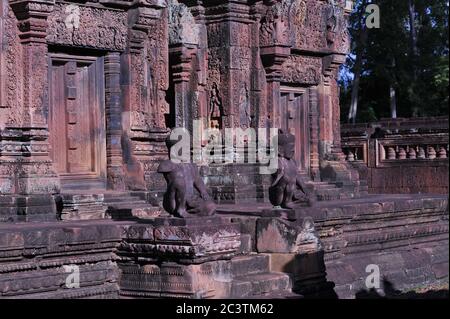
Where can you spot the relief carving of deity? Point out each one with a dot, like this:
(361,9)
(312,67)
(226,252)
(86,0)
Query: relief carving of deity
(244,107)
(215,103)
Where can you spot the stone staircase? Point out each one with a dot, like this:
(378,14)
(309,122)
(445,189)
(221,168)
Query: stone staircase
(252,278)
(104,205)
(331,191)
(237,183)
(126,205)
(242,183)
(338,182)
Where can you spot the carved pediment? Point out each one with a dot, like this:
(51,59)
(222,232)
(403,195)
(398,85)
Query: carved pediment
(84,26)
(182,25)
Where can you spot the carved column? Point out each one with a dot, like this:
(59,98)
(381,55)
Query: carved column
(314,131)
(181,56)
(273,58)
(184,39)
(3,44)
(113,112)
(330,108)
(230,61)
(200,97)
(275,49)
(144,81)
(34,168)
(338,43)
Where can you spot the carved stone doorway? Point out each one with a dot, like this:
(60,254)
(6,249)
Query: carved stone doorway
(294,115)
(77,120)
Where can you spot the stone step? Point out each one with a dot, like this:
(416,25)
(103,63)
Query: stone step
(109,195)
(127,201)
(284,294)
(328,196)
(133,209)
(326,187)
(250,264)
(260,284)
(348,195)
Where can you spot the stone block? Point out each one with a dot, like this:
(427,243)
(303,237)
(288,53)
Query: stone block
(440,270)
(189,240)
(250,264)
(282,262)
(246,244)
(275,235)
(172,280)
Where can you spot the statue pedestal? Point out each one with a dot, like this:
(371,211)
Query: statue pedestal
(179,257)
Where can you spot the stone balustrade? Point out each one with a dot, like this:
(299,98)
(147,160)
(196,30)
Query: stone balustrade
(400,155)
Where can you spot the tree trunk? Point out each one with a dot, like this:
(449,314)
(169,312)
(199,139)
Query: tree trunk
(358,65)
(412,28)
(393,101)
(355,90)
(414,49)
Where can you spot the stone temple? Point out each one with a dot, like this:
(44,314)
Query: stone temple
(91,89)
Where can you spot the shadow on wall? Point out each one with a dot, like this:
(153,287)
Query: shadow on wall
(309,276)
(391,293)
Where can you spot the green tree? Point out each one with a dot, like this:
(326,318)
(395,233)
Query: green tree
(402,66)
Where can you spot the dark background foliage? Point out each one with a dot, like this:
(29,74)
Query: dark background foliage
(414,62)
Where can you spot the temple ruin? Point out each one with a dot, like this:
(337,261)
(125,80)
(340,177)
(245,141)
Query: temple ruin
(89,92)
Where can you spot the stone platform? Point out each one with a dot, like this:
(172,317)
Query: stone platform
(194,258)
(243,252)
(406,236)
(33,257)
(151,258)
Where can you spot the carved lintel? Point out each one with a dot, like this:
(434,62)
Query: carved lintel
(157,4)
(87,26)
(302,70)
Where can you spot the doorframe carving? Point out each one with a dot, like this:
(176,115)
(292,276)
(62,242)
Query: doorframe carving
(99,177)
(303,93)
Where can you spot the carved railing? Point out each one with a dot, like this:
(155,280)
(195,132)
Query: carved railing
(397,141)
(356,149)
(392,151)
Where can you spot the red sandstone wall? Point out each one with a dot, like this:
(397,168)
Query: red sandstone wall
(409,179)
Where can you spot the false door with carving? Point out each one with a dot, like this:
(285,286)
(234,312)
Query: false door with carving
(294,115)
(77,121)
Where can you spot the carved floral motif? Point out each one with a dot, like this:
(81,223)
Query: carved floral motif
(74,25)
(301,69)
(14,74)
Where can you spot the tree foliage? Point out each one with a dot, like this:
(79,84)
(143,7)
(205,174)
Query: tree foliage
(414,61)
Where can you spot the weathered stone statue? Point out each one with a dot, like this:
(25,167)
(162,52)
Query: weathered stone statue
(186,193)
(287,188)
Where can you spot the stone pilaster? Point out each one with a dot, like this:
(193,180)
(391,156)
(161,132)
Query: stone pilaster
(182,56)
(113,113)
(330,108)
(144,81)
(273,58)
(229,43)
(28,142)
